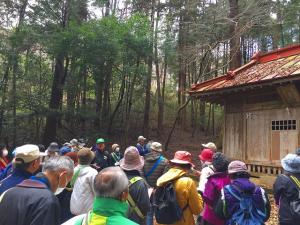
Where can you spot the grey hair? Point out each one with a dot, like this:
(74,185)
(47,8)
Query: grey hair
(58,163)
(111,182)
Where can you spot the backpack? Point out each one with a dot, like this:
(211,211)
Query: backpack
(246,214)
(166,208)
(295,204)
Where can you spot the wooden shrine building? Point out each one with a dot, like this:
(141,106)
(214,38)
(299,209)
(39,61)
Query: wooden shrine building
(262,108)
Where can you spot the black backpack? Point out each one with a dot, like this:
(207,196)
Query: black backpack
(166,208)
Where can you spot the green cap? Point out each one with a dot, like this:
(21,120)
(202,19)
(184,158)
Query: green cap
(100,140)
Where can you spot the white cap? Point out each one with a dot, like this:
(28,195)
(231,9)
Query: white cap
(210,145)
(28,153)
(141,138)
(156,146)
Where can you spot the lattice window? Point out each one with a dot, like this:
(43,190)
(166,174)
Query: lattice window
(284,125)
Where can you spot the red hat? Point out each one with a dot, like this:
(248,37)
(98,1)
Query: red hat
(182,157)
(206,155)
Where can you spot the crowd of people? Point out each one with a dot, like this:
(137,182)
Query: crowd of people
(78,185)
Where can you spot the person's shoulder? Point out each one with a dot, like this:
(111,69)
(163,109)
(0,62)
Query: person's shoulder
(75,220)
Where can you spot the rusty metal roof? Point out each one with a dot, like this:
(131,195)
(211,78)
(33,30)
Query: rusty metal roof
(263,68)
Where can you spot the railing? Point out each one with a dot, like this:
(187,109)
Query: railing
(264,169)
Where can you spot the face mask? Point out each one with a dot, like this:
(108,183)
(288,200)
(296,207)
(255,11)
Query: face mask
(4,152)
(117,149)
(59,189)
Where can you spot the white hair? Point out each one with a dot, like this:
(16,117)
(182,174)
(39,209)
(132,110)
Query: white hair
(57,163)
(111,182)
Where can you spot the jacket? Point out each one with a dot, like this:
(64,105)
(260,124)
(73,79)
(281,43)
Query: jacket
(143,150)
(12,180)
(3,163)
(30,203)
(211,195)
(285,190)
(6,172)
(186,194)
(101,159)
(228,204)
(83,191)
(139,193)
(106,211)
(150,160)
(207,171)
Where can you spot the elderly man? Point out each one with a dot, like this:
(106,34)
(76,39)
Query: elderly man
(33,201)
(26,163)
(141,146)
(110,206)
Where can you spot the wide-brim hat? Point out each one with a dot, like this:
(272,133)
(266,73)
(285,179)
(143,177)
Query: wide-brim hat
(182,157)
(53,147)
(206,155)
(132,159)
(291,163)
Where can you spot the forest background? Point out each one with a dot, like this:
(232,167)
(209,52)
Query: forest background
(121,68)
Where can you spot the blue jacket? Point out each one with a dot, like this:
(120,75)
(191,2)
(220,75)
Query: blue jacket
(14,179)
(6,172)
(143,150)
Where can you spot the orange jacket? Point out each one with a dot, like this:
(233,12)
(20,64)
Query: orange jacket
(186,194)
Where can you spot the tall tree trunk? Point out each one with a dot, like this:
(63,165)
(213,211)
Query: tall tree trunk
(149,76)
(159,96)
(55,100)
(106,95)
(235,52)
(4,95)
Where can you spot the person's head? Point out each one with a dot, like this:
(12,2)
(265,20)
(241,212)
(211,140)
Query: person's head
(53,149)
(132,159)
(111,182)
(41,147)
(298,152)
(291,163)
(100,142)
(115,148)
(85,156)
(156,147)
(238,169)
(210,145)
(206,155)
(141,140)
(3,151)
(59,171)
(74,143)
(27,158)
(182,159)
(73,156)
(220,162)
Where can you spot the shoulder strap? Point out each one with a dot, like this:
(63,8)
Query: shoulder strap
(75,177)
(130,200)
(230,190)
(154,166)
(295,181)
(115,157)
(85,220)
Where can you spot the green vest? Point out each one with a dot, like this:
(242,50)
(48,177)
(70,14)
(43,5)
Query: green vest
(107,211)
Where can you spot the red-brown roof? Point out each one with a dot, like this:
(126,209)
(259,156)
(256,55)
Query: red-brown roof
(279,64)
